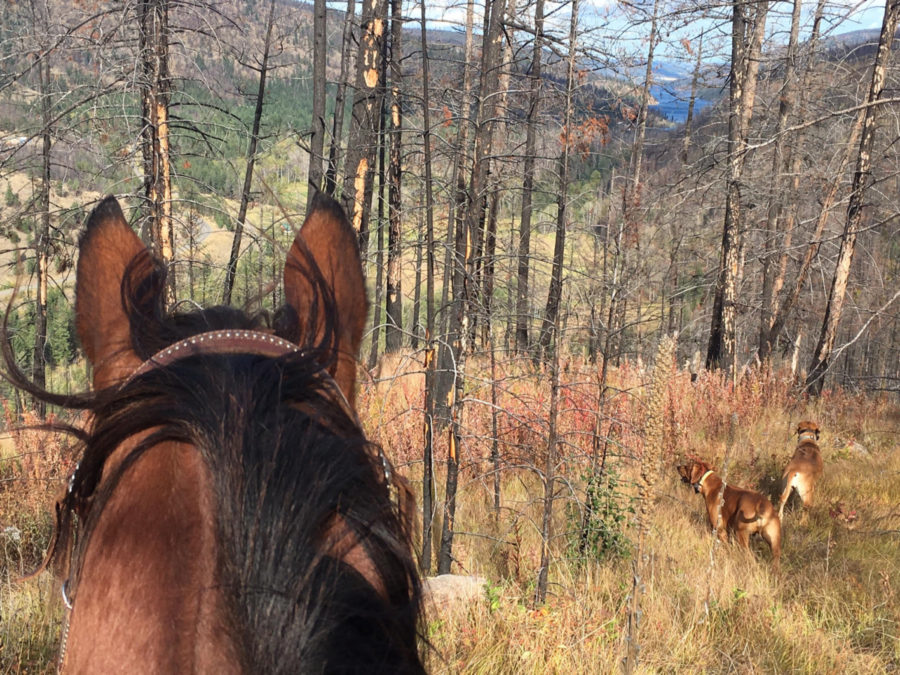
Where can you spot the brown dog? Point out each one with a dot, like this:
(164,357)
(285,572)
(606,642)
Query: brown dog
(805,467)
(744,512)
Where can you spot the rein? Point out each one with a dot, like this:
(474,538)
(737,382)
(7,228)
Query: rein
(219,342)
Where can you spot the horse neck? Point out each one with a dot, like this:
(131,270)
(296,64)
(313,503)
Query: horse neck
(152,563)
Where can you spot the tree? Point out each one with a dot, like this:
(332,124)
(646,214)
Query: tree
(337,126)
(317,133)
(363,141)
(747,29)
(862,180)
(156,90)
(468,236)
(231,269)
(41,21)
(554,294)
(430,361)
(393,296)
(523,297)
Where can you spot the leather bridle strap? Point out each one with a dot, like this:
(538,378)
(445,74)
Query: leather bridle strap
(218,342)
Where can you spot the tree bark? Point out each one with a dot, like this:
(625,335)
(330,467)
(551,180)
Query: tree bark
(317,138)
(337,128)
(367,103)
(523,297)
(746,43)
(155,96)
(466,241)
(783,300)
(379,251)
(393,336)
(42,236)
(862,180)
(455,249)
(428,450)
(548,477)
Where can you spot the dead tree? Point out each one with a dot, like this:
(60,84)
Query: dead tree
(231,269)
(393,332)
(747,29)
(362,146)
(156,89)
(862,180)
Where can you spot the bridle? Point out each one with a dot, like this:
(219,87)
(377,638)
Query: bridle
(214,343)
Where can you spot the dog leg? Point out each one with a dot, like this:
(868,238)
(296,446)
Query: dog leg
(772,534)
(806,494)
(722,533)
(788,486)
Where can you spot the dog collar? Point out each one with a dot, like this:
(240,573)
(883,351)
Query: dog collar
(811,434)
(699,483)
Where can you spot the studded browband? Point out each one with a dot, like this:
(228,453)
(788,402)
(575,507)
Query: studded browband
(218,342)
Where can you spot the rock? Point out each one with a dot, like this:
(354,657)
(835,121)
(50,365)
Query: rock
(452,590)
(857,449)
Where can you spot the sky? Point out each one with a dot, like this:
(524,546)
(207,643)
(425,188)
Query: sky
(614,16)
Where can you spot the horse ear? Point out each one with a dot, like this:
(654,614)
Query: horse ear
(106,249)
(324,259)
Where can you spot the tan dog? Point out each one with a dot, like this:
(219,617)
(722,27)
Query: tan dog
(744,512)
(805,467)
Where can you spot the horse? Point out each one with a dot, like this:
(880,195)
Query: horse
(228,514)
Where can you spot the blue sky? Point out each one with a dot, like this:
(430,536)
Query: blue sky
(625,30)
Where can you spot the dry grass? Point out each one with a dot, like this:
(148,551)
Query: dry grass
(834,608)
(33,467)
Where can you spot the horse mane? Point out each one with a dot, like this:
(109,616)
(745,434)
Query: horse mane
(285,457)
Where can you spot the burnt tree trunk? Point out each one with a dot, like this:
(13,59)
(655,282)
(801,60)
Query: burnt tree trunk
(362,146)
(463,285)
(747,28)
(42,236)
(393,335)
(156,89)
(337,127)
(862,180)
(523,298)
(428,450)
(231,269)
(554,295)
(317,137)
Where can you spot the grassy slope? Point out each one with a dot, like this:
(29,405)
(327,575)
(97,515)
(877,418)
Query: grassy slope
(707,607)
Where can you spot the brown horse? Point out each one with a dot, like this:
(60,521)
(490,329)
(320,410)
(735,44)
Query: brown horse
(228,515)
